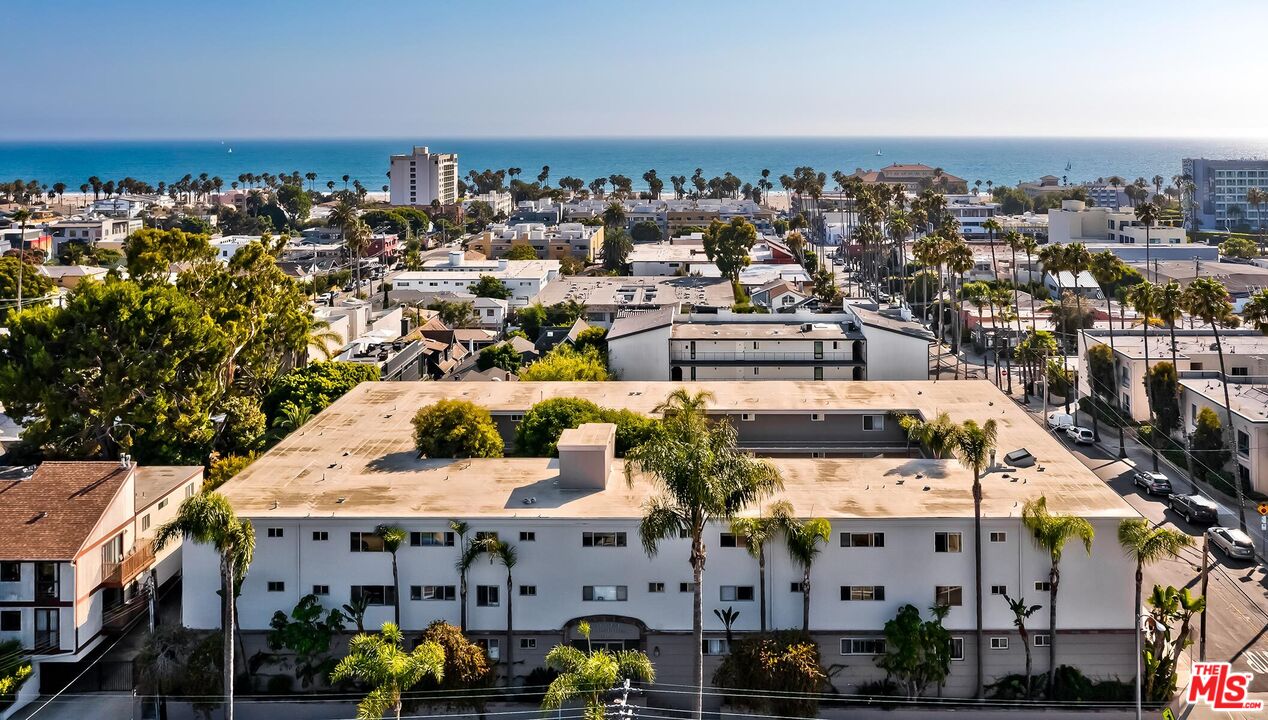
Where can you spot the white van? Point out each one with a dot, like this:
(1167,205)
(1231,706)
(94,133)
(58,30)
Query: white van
(1059,421)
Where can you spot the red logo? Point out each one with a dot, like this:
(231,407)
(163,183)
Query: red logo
(1215,684)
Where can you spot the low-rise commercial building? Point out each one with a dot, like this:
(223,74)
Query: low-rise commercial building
(1075,222)
(606,296)
(1248,400)
(584,242)
(525,279)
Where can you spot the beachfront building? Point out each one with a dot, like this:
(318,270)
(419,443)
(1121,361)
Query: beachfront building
(1220,198)
(423,177)
(914,177)
(526,279)
(902,530)
(1075,222)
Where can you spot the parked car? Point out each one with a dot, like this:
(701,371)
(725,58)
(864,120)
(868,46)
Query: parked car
(1194,508)
(1080,435)
(1154,483)
(1058,421)
(1233,542)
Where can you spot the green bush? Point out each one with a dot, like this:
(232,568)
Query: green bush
(456,429)
(316,385)
(538,432)
(782,662)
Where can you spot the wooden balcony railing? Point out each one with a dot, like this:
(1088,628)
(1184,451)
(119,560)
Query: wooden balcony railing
(133,564)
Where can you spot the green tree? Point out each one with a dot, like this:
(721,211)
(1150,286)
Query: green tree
(614,215)
(1164,386)
(490,287)
(571,265)
(1021,613)
(208,519)
(466,668)
(595,337)
(505,554)
(757,533)
(1172,611)
(456,429)
(1207,445)
(223,469)
(804,541)
(316,385)
(521,251)
(1051,532)
(940,434)
(975,447)
(825,286)
(151,252)
(296,202)
(34,285)
(454,314)
(307,632)
(589,674)
(701,477)
(393,537)
(1146,545)
(917,652)
(538,432)
(728,245)
(531,318)
(645,231)
(782,674)
(503,355)
(565,364)
(378,660)
(244,426)
(1239,247)
(1100,361)
(120,368)
(617,245)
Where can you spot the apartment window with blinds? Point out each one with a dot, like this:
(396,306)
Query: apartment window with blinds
(736,593)
(948,595)
(862,646)
(863,540)
(946,542)
(604,593)
(431,539)
(602,539)
(857,593)
(431,592)
(364,542)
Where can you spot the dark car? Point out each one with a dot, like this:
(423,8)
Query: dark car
(1194,508)
(1153,483)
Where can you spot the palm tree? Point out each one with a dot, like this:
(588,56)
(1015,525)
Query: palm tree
(208,518)
(975,447)
(1021,613)
(1003,299)
(467,554)
(940,434)
(1051,533)
(1143,298)
(992,228)
(292,417)
(1254,198)
(321,337)
(505,554)
(804,541)
(590,673)
(614,214)
(1147,545)
(378,660)
(959,262)
(393,537)
(1107,269)
(1147,214)
(21,217)
(701,477)
(978,293)
(1207,299)
(757,532)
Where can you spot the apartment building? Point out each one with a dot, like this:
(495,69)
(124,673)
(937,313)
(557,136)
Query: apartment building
(606,296)
(499,202)
(525,278)
(96,230)
(423,177)
(1241,281)
(76,554)
(1075,222)
(1220,198)
(556,242)
(902,530)
(1248,399)
(914,177)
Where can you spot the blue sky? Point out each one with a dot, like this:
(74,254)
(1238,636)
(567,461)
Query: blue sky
(373,68)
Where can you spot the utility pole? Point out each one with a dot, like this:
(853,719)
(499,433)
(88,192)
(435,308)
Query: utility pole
(1205,574)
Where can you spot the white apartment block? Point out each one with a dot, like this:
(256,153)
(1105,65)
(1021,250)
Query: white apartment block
(1221,192)
(499,202)
(97,230)
(902,530)
(1249,439)
(525,278)
(422,177)
(1075,222)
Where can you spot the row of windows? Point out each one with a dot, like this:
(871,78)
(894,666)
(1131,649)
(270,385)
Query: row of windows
(876,646)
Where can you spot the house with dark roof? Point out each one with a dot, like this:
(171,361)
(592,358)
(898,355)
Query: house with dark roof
(77,560)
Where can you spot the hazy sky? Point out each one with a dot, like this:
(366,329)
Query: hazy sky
(322,68)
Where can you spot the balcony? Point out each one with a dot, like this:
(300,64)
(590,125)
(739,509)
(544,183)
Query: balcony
(133,564)
(751,357)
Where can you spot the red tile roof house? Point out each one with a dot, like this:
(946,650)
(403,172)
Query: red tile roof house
(76,550)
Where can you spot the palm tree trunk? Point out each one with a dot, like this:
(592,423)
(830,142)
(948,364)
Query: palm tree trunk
(1149,398)
(805,600)
(396,587)
(697,623)
(510,631)
(1054,578)
(462,590)
(1140,580)
(1025,643)
(977,572)
(1109,312)
(226,583)
(761,579)
(1229,437)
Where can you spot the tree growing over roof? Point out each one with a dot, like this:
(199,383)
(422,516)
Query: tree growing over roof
(456,429)
(564,364)
(503,356)
(521,251)
(728,245)
(490,287)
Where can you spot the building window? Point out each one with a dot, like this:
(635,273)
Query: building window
(1043,640)
(818,373)
(320,536)
(1043,586)
(714,646)
(1243,443)
(528,536)
(818,349)
(947,542)
(277,586)
(11,572)
(655,587)
(528,643)
(731,540)
(364,542)
(528,591)
(1240,371)
(486,536)
(487,595)
(275,532)
(999,589)
(189,491)
(747,417)
(862,646)
(873,422)
(948,595)
(736,593)
(999,536)
(863,540)
(431,539)
(321,589)
(491,647)
(10,621)
(604,593)
(162,503)
(816,417)
(856,593)
(957,648)
(374,594)
(431,592)
(145,522)
(602,539)
(686,587)
(999,643)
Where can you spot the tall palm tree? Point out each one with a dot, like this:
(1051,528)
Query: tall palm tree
(978,293)
(378,660)
(1003,299)
(959,262)
(461,528)
(1107,269)
(1147,214)
(1051,532)
(992,228)
(804,540)
(701,477)
(505,554)
(1021,613)
(393,537)
(975,447)
(757,532)
(1147,545)
(208,518)
(940,434)
(1143,298)
(21,217)
(1254,198)
(588,674)
(1207,299)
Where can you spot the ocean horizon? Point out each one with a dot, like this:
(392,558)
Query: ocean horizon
(1003,160)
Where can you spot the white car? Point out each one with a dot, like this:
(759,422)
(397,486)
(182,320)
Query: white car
(1080,435)
(1058,421)
(1233,542)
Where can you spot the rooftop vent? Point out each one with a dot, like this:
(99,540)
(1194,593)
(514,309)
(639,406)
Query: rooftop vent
(586,455)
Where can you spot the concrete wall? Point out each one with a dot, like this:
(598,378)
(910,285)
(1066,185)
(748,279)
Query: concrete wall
(644,356)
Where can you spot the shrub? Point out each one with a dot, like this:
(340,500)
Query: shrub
(318,384)
(783,662)
(539,430)
(223,469)
(466,668)
(456,429)
(568,365)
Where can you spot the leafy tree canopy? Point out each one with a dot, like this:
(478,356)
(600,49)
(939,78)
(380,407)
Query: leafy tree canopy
(645,231)
(566,364)
(728,245)
(502,355)
(783,670)
(521,251)
(456,429)
(1239,247)
(34,285)
(490,287)
(151,252)
(318,384)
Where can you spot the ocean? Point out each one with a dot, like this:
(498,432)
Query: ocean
(1000,160)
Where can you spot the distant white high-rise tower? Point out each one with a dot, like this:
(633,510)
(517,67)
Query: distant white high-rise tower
(423,177)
